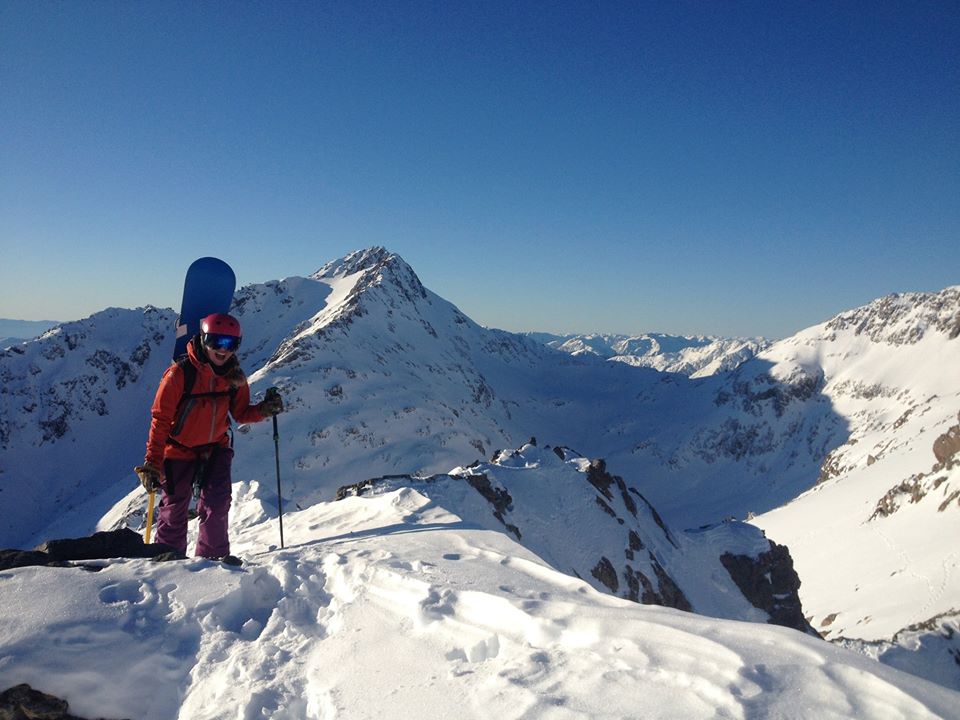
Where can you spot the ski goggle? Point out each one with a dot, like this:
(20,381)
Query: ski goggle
(223,343)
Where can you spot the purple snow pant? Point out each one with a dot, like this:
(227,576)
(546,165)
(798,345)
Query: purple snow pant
(213,505)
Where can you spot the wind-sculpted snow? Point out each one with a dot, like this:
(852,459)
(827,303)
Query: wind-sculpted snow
(393,606)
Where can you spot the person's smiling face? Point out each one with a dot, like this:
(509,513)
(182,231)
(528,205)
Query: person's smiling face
(217,357)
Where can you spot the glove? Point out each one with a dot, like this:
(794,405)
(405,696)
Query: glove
(272,403)
(150,477)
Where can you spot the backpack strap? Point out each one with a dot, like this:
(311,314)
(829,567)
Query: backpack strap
(188,396)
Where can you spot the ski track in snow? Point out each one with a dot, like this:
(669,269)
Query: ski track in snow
(908,566)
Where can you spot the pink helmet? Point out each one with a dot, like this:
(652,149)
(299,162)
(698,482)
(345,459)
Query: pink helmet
(220,331)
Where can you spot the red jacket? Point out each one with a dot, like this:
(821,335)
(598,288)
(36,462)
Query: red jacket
(204,420)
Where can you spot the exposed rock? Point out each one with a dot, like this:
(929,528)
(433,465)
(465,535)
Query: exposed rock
(771,584)
(670,593)
(666,593)
(947,445)
(10,559)
(918,486)
(598,476)
(955,495)
(605,573)
(912,489)
(109,544)
(22,702)
(99,546)
(828,620)
(360,488)
(498,497)
(831,467)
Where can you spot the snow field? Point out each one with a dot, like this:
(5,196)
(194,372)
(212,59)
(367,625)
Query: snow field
(391,606)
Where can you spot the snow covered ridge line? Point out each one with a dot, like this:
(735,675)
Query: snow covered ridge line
(903,318)
(586,522)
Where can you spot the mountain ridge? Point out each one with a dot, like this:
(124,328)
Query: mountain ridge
(612,536)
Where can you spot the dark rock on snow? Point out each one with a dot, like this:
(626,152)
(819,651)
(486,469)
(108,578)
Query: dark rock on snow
(947,445)
(22,702)
(771,584)
(110,544)
(124,543)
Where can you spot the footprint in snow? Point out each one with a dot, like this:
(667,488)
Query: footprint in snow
(128,591)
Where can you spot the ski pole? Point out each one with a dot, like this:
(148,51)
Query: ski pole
(146,534)
(276,448)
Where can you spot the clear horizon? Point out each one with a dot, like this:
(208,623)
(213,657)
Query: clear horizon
(719,169)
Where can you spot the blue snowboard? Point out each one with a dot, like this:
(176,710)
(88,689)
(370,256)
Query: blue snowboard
(208,288)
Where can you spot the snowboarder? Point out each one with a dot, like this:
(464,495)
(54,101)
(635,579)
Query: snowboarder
(189,446)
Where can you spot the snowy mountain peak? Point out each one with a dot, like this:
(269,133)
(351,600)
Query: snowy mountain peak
(376,266)
(357,261)
(377,269)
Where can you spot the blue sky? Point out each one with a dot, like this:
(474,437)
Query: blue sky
(731,168)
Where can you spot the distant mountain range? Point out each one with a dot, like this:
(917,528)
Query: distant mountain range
(696,356)
(17,331)
(826,439)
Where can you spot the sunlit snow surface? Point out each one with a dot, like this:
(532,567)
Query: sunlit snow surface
(391,606)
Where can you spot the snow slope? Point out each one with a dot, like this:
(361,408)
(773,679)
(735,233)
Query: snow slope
(882,555)
(393,606)
(829,436)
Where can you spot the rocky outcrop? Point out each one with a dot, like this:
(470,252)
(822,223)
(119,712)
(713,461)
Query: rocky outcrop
(99,546)
(946,447)
(22,702)
(770,582)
